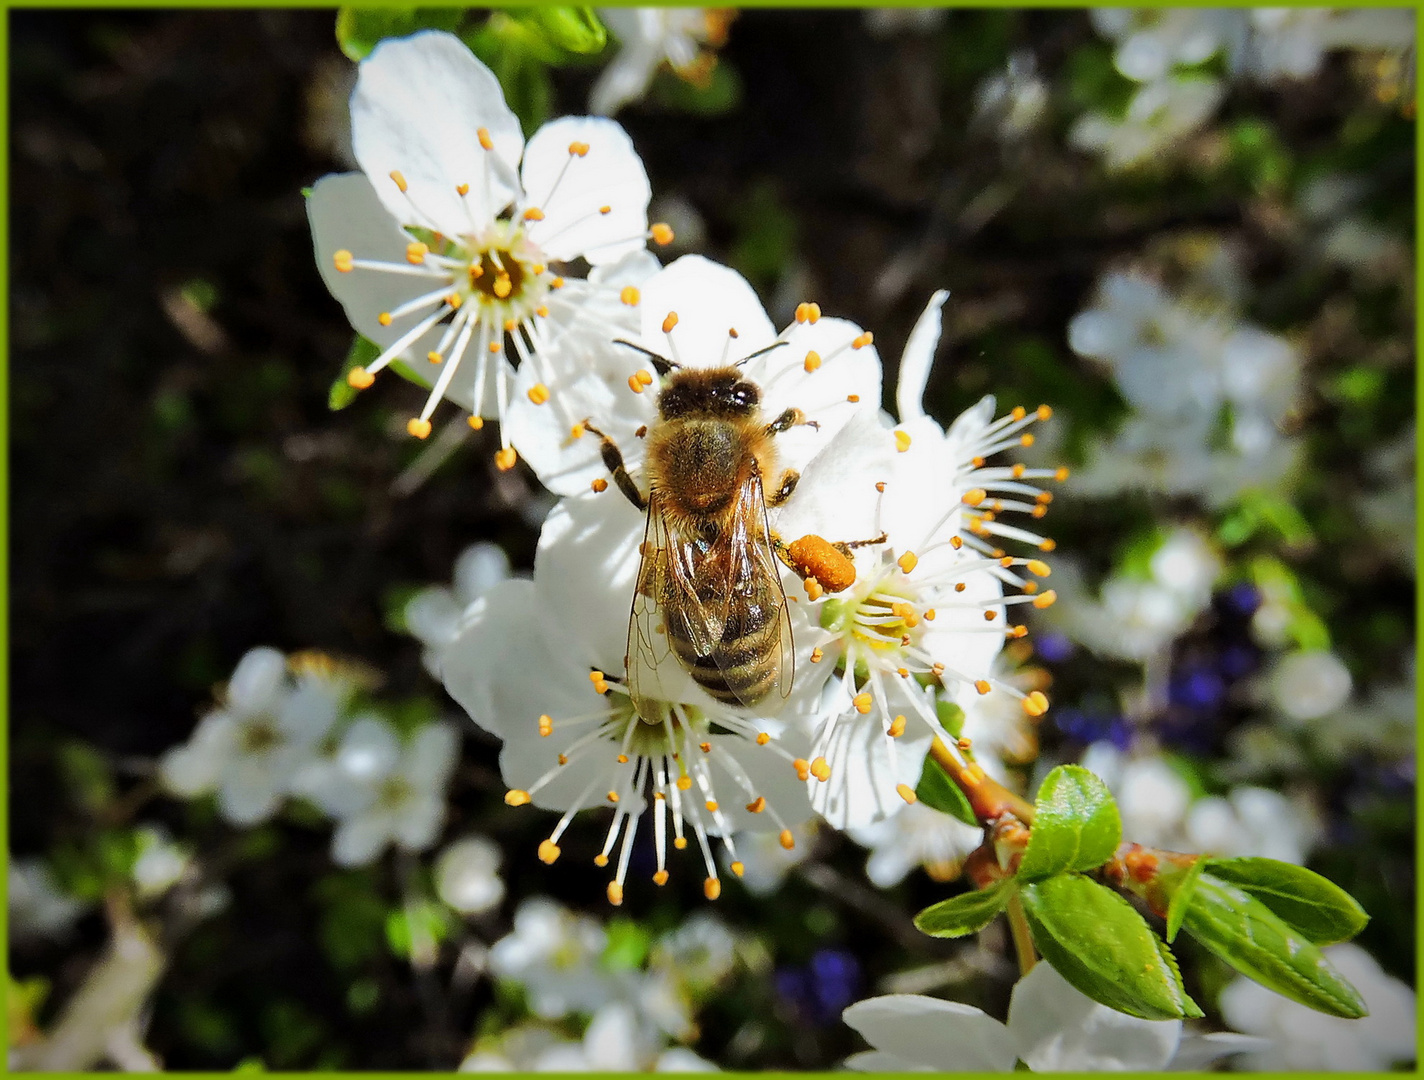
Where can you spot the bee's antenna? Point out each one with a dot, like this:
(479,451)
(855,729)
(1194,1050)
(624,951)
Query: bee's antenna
(760,352)
(661,364)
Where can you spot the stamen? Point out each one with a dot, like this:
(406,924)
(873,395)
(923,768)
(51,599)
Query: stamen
(902,441)
(538,393)
(906,792)
(629,295)
(484,136)
(599,485)
(400,181)
(344,261)
(813,361)
(669,322)
(661,233)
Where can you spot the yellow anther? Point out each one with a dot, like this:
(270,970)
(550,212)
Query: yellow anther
(712,888)
(660,878)
(929,614)
(622,759)
(1019,412)
(563,759)
(1044,497)
(555,283)
(629,295)
(536,269)
(813,589)
(862,341)
(712,806)
(990,616)
(813,361)
(897,727)
(400,181)
(1017,471)
(418,427)
(1045,600)
(502,287)
(817,655)
(757,805)
(907,562)
(762,738)
(484,136)
(645,377)
(516,797)
(974,497)
(1047,544)
(576,432)
(738,869)
(1036,704)
(510,325)
(669,322)
(821,769)
(661,233)
(600,860)
(596,676)
(578,149)
(813,312)
(902,440)
(605,209)
(1026,438)
(853,398)
(956,542)
(684,782)
(787,840)
(1038,568)
(542,311)
(1030,587)
(615,893)
(599,485)
(1044,412)
(906,792)
(358,378)
(982,685)
(705,747)
(863,702)
(476,272)
(462,190)
(476,422)
(538,393)
(384,318)
(434,357)
(546,725)
(1061,473)
(415,252)
(548,852)
(505,458)
(612,796)
(533,214)
(938,669)
(634,385)
(964,744)
(495,347)
(1017,631)
(344,261)
(802,767)
(679,842)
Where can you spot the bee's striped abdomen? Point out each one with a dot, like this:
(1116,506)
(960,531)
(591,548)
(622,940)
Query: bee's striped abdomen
(745,664)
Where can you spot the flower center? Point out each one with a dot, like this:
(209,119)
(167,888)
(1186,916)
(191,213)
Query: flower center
(884,614)
(395,791)
(260,735)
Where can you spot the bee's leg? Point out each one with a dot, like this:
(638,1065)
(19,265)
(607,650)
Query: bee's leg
(789,479)
(613,462)
(789,419)
(845,546)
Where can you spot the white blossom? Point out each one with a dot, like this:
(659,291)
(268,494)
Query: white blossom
(382,791)
(160,863)
(1014,100)
(1302,1039)
(682,38)
(1159,115)
(433,614)
(927,602)
(1291,43)
(443,249)
(38,907)
(1051,1028)
(1152,797)
(270,725)
(1309,683)
(555,955)
(1151,41)
(1252,821)
(467,875)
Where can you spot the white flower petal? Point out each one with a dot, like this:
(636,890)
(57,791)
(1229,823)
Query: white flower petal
(1057,1029)
(945,1035)
(571,190)
(771,776)
(417,826)
(866,768)
(467,875)
(369,750)
(418,105)
(709,300)
(358,840)
(194,768)
(479,568)
(248,793)
(433,616)
(876,1062)
(257,681)
(431,757)
(918,358)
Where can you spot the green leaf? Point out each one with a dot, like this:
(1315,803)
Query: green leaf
(951,717)
(1250,937)
(964,914)
(574,29)
(1182,898)
(938,791)
(1315,906)
(1076,825)
(627,947)
(1102,946)
(361,29)
(417,927)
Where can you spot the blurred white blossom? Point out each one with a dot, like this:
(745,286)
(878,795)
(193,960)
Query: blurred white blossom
(1159,116)
(270,725)
(1014,100)
(1252,821)
(1301,1039)
(554,954)
(38,907)
(648,37)
(161,862)
(434,614)
(467,875)
(1309,684)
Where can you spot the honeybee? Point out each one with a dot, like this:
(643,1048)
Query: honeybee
(708,587)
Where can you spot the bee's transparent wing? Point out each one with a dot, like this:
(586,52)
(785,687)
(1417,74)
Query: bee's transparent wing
(755,619)
(649,651)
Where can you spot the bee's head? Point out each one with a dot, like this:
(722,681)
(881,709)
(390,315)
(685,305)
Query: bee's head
(719,393)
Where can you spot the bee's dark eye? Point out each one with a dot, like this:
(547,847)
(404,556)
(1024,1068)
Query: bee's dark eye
(744,395)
